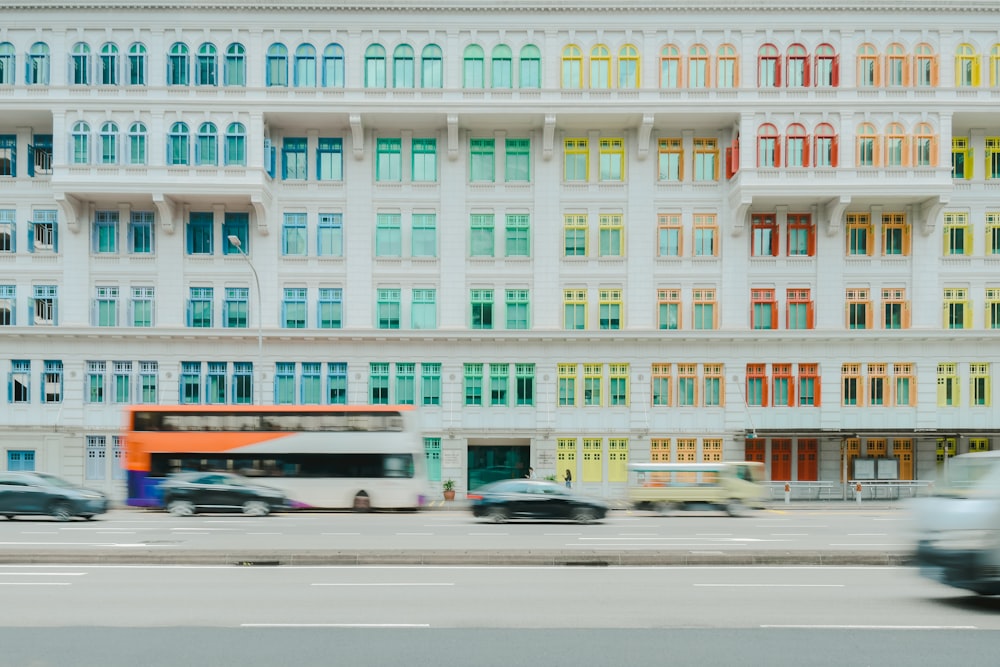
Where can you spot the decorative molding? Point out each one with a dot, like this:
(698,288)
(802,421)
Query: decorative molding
(261,202)
(357,136)
(73,209)
(740,212)
(929,210)
(167,209)
(834,212)
(645,129)
(548,135)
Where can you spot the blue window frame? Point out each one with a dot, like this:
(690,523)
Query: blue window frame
(141,233)
(236,307)
(177,65)
(277,65)
(333,66)
(330,235)
(206,147)
(105,235)
(293,308)
(215,382)
(37,66)
(305,66)
(242,383)
(206,71)
(330,159)
(44,307)
(19,381)
(190,382)
(52,382)
(238,225)
(178,144)
(21,460)
(336,383)
(136,65)
(200,234)
(43,232)
(294,159)
(234,72)
(330,310)
(311,390)
(137,139)
(200,307)
(8,155)
(8,61)
(8,305)
(375,66)
(236,145)
(284,383)
(294,238)
(108,67)
(80,65)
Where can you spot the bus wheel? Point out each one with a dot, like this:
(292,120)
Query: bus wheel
(362,503)
(664,508)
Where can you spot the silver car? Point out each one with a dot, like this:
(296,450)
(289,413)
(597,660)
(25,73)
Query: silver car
(40,493)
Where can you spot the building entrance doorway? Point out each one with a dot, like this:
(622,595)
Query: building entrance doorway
(489,463)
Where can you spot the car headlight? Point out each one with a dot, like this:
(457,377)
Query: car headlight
(967,540)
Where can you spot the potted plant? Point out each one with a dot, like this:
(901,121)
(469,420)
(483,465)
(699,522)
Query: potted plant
(449,489)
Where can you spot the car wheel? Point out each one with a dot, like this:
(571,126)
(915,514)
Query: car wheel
(10,517)
(497,515)
(256,508)
(362,502)
(735,508)
(88,517)
(180,507)
(665,508)
(60,511)
(584,515)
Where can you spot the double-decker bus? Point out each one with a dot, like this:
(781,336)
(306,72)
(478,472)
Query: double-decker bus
(346,457)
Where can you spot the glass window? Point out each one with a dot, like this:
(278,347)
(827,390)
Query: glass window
(330,159)
(108,67)
(430,384)
(424,236)
(178,144)
(482,308)
(518,235)
(177,65)
(137,143)
(431,67)
(481,235)
(294,235)
(387,308)
(333,66)
(236,308)
(200,233)
(389,160)
(293,308)
(375,66)
(200,306)
(143,300)
(388,235)
(402,66)
(80,64)
(576,156)
(517,167)
(235,71)
(482,162)
(236,145)
(473,67)
(305,66)
(531,67)
(331,308)
(105,306)
(501,67)
(330,235)
(206,148)
(136,64)
(518,309)
(294,163)
(206,66)
(80,138)
(424,157)
(336,383)
(277,65)
(238,225)
(423,311)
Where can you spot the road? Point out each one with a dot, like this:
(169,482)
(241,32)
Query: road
(170,615)
(820,535)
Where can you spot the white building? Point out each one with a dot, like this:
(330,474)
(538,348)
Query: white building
(573,233)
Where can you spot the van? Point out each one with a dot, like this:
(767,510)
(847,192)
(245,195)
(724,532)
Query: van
(730,486)
(958,526)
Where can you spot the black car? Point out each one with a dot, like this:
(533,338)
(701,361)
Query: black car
(187,493)
(533,499)
(45,494)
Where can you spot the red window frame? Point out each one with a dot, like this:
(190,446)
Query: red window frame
(809,371)
(758,372)
(799,295)
(826,131)
(763,297)
(800,221)
(764,221)
(783,372)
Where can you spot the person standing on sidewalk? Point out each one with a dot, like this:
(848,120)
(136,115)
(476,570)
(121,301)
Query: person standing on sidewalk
(569,479)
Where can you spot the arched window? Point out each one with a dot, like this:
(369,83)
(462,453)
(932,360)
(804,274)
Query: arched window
(572,67)
(109,64)
(177,65)
(431,67)
(206,148)
(897,66)
(531,67)
(235,73)
(628,67)
(473,65)
(926,66)
(137,143)
(768,67)
(768,148)
(827,66)
(38,64)
(825,150)
(796,146)
(236,148)
(869,72)
(7,63)
(80,65)
(207,66)
(305,66)
(698,67)
(868,151)
(109,143)
(178,151)
(797,68)
(670,67)
(966,66)
(600,67)
(375,66)
(80,137)
(277,65)
(333,66)
(502,67)
(896,145)
(137,64)
(926,146)
(402,66)
(727,73)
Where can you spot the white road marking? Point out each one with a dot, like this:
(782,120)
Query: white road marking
(42,574)
(335,625)
(340,533)
(388,583)
(770,585)
(867,534)
(34,583)
(874,627)
(423,534)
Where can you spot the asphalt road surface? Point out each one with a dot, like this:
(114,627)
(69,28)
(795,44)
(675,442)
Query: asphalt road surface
(868,535)
(156,616)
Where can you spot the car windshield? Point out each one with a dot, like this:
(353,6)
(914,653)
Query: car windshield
(55,481)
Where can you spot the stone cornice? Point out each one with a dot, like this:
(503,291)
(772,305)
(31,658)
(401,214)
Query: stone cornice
(512,6)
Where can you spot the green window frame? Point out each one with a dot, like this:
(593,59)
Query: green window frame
(473,384)
(423,240)
(378,383)
(430,384)
(499,384)
(482,160)
(406,384)
(518,309)
(388,235)
(481,235)
(524,384)
(388,308)
(389,160)
(482,308)
(517,160)
(293,308)
(518,235)
(423,311)
(424,160)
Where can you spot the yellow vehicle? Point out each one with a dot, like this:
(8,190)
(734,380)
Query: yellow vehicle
(729,486)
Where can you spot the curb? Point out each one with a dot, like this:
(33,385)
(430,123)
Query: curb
(454,557)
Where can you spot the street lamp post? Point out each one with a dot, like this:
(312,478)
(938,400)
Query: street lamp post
(235,241)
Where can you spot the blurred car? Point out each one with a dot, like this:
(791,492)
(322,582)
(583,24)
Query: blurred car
(43,494)
(534,499)
(958,527)
(185,494)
